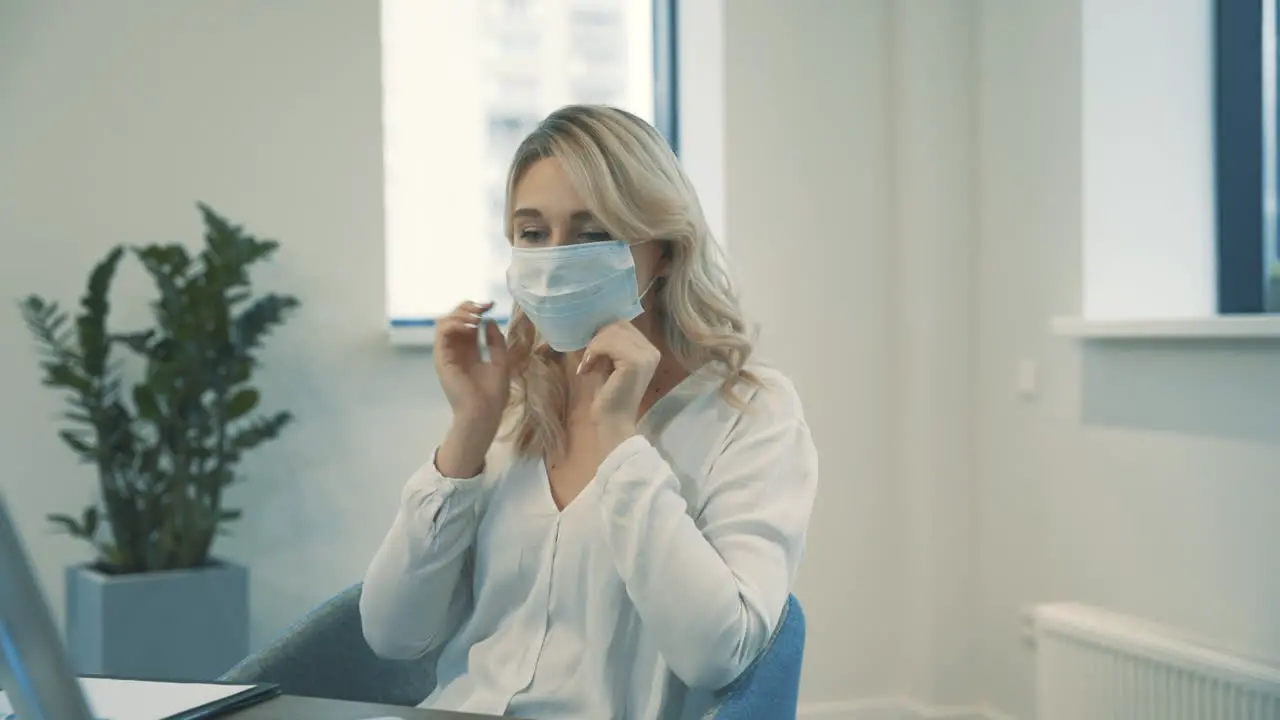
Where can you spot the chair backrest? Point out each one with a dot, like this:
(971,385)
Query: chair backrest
(770,688)
(325,655)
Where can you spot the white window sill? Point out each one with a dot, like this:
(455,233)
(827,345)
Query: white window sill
(1241,327)
(420,334)
(412,336)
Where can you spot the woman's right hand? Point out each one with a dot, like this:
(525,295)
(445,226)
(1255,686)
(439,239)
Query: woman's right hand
(477,391)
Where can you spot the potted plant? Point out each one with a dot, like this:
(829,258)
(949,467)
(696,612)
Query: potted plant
(165,440)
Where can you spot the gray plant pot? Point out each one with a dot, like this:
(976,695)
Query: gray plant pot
(173,625)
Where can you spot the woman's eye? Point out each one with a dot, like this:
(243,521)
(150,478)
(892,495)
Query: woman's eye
(596,236)
(532,235)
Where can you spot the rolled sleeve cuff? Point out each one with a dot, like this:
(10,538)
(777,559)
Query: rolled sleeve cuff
(427,493)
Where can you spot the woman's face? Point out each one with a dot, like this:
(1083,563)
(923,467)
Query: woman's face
(549,212)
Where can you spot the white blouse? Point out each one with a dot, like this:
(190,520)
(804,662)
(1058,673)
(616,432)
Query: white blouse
(657,585)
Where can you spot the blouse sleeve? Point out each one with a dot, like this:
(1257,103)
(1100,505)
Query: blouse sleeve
(418,586)
(711,591)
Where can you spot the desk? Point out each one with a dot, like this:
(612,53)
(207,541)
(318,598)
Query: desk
(289,707)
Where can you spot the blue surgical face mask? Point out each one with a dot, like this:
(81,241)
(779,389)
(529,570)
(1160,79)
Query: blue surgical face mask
(571,291)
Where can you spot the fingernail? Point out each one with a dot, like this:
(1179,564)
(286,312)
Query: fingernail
(482,342)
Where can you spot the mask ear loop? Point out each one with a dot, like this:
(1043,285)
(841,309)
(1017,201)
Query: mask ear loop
(652,282)
(666,254)
(649,287)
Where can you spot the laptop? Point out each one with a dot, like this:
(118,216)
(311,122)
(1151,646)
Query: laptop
(35,673)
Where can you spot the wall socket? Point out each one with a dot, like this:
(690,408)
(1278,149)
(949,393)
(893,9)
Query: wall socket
(1028,378)
(1027,625)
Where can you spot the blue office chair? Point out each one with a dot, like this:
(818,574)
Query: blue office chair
(770,688)
(325,655)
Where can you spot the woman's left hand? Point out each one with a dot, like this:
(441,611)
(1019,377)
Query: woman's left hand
(623,360)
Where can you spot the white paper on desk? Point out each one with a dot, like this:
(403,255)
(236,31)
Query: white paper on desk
(143,699)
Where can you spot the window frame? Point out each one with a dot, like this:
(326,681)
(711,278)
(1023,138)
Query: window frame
(666,70)
(1241,146)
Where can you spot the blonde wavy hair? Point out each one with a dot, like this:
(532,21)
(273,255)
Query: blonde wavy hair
(633,184)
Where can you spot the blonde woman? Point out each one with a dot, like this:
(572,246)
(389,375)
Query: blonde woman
(631,549)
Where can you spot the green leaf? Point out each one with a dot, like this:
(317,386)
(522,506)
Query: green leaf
(91,324)
(78,444)
(139,342)
(239,371)
(89,521)
(46,321)
(67,376)
(242,403)
(144,399)
(67,524)
(259,431)
(111,553)
(77,416)
(229,514)
(263,315)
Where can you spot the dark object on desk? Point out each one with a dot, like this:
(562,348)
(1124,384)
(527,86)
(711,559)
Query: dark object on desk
(232,704)
(325,655)
(289,707)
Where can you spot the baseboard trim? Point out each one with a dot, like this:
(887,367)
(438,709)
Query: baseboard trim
(895,708)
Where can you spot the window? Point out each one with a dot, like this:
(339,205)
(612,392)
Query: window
(1178,170)
(463,82)
(1246,157)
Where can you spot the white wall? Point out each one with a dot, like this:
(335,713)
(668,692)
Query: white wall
(809,214)
(851,165)
(935,124)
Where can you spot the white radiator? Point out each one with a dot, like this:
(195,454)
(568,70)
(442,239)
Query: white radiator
(1095,665)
